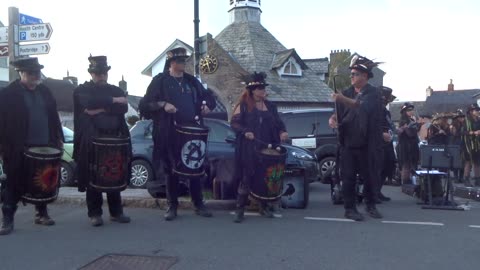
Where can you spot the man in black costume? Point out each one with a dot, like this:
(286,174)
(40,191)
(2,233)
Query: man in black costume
(175,96)
(360,112)
(388,127)
(99,110)
(28,117)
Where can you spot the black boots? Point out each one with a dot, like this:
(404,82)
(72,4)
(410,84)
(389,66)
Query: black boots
(353,214)
(42,217)
(171,213)
(96,221)
(7,221)
(373,211)
(239,215)
(202,210)
(122,218)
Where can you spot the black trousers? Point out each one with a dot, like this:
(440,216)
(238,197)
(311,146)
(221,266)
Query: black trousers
(356,161)
(388,167)
(195,187)
(11,198)
(95,201)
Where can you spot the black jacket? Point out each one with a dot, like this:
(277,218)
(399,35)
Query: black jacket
(14,119)
(163,129)
(91,96)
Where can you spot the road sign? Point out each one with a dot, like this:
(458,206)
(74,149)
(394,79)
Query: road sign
(35,32)
(3,50)
(25,19)
(3,34)
(35,48)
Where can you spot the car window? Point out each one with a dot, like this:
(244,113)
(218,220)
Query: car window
(218,132)
(67,135)
(310,123)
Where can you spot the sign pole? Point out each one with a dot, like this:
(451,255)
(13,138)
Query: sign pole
(12,41)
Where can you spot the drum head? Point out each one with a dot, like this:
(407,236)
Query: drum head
(43,150)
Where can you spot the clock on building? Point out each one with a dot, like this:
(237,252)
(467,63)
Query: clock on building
(208,64)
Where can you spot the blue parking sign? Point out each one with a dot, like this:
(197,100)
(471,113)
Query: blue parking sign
(23,35)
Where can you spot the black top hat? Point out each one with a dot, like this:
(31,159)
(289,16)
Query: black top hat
(387,94)
(458,113)
(24,64)
(473,106)
(406,106)
(177,53)
(98,64)
(255,79)
(363,64)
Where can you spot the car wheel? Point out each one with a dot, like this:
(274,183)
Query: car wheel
(141,173)
(66,174)
(327,167)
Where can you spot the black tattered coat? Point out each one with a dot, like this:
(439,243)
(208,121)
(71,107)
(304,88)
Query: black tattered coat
(91,96)
(14,119)
(163,122)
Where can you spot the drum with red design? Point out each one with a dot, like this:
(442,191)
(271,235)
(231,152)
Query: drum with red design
(110,163)
(42,174)
(267,184)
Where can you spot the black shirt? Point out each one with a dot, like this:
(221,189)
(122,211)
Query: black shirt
(38,133)
(180,94)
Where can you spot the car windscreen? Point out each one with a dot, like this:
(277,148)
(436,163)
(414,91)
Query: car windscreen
(68,135)
(304,124)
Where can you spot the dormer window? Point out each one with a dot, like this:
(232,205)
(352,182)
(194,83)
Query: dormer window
(291,68)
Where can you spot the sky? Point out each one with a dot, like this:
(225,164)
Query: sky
(421,42)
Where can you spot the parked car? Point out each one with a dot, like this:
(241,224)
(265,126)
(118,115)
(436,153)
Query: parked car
(67,165)
(220,146)
(309,129)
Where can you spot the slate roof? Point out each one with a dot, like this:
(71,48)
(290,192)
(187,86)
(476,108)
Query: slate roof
(280,58)
(450,101)
(395,107)
(319,65)
(254,48)
(133,101)
(62,91)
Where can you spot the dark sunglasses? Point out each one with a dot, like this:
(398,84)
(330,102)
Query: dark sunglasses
(355,74)
(180,60)
(409,110)
(33,72)
(99,73)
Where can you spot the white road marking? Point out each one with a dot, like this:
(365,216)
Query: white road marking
(474,226)
(257,214)
(329,219)
(413,223)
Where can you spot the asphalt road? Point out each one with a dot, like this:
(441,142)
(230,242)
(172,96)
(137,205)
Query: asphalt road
(315,238)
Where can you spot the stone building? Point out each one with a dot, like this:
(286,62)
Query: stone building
(245,46)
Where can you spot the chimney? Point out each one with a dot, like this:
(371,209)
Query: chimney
(450,86)
(123,85)
(429,91)
(72,79)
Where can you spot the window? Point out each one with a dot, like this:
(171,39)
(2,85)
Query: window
(218,132)
(67,135)
(291,68)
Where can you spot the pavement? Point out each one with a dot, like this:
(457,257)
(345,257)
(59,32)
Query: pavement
(140,198)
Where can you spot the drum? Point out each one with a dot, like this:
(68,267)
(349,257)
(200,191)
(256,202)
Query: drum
(189,150)
(267,184)
(42,174)
(109,165)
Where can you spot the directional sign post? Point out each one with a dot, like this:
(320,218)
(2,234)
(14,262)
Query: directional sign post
(35,48)
(3,50)
(26,19)
(35,32)
(4,34)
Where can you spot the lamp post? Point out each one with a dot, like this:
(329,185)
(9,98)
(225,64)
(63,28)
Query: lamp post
(196,44)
